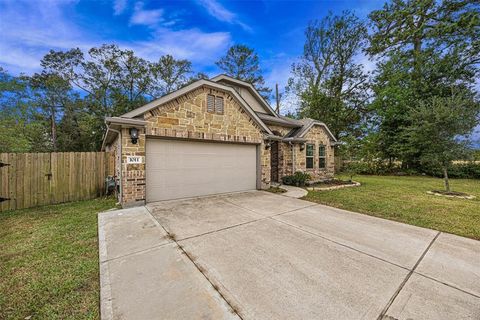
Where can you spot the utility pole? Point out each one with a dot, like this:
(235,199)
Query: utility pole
(277,98)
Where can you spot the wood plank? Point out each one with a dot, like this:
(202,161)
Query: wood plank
(71,176)
(18,176)
(12,180)
(53,177)
(5,181)
(27,181)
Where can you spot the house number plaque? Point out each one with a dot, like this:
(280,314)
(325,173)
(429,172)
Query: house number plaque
(134,159)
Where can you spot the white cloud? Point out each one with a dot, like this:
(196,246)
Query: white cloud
(192,44)
(119,6)
(29,31)
(219,12)
(149,18)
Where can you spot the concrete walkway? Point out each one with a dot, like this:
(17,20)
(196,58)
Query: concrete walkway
(258,255)
(294,192)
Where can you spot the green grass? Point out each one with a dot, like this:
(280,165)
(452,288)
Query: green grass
(49,261)
(405,199)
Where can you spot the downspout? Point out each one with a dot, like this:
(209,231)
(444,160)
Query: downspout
(121,157)
(293,156)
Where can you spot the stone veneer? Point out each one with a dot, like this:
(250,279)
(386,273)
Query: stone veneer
(187,117)
(288,163)
(316,135)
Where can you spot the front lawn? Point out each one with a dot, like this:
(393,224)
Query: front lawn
(405,199)
(49,261)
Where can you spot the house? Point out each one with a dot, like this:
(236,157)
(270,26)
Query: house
(212,136)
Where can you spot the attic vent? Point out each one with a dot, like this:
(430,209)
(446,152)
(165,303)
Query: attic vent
(210,103)
(219,105)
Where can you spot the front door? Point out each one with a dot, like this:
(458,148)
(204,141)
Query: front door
(274,161)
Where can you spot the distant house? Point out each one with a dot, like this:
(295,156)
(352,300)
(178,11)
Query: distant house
(212,136)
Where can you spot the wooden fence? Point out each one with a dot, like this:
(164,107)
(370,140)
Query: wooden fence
(35,179)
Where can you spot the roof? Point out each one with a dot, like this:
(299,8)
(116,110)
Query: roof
(250,88)
(296,134)
(279,120)
(307,125)
(114,124)
(197,84)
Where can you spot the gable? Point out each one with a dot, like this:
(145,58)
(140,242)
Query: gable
(318,133)
(187,116)
(141,111)
(247,92)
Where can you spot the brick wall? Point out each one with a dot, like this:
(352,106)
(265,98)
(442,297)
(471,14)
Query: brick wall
(133,178)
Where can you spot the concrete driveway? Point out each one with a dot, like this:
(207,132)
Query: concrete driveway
(257,255)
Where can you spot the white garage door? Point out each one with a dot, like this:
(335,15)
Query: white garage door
(181,169)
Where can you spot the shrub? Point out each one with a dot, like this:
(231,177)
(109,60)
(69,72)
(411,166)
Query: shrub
(468,170)
(297,179)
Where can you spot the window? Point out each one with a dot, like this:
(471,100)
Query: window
(210,103)
(322,157)
(219,105)
(214,104)
(309,156)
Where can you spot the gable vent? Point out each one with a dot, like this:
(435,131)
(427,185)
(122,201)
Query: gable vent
(210,103)
(219,105)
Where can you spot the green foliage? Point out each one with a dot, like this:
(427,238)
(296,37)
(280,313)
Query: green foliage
(63,107)
(467,170)
(241,62)
(328,83)
(427,49)
(299,178)
(438,124)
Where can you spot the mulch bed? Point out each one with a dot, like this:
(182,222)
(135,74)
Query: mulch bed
(331,183)
(451,194)
(276,190)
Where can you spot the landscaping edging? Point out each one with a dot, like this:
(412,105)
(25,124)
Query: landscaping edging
(354,184)
(469,197)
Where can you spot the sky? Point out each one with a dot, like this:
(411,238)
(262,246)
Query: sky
(198,30)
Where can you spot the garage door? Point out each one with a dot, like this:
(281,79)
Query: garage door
(181,169)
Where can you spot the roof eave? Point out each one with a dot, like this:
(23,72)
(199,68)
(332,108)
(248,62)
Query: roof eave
(203,82)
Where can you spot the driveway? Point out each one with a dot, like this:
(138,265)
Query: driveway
(257,255)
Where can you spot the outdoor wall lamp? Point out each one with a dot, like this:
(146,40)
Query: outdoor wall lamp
(302,146)
(267,145)
(134,135)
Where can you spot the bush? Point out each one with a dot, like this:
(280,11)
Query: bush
(297,179)
(468,170)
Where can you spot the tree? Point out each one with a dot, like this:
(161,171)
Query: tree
(52,96)
(169,74)
(19,130)
(439,123)
(426,48)
(114,81)
(241,62)
(329,85)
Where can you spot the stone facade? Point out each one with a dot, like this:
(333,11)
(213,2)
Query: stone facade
(187,117)
(292,158)
(133,177)
(316,135)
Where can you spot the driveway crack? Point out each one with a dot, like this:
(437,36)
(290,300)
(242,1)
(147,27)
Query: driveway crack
(404,282)
(232,307)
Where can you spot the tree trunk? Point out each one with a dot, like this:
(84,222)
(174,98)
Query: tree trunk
(54,131)
(445,176)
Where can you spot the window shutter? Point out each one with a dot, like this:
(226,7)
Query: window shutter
(210,103)
(219,105)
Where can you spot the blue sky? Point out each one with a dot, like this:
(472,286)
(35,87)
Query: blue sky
(198,30)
